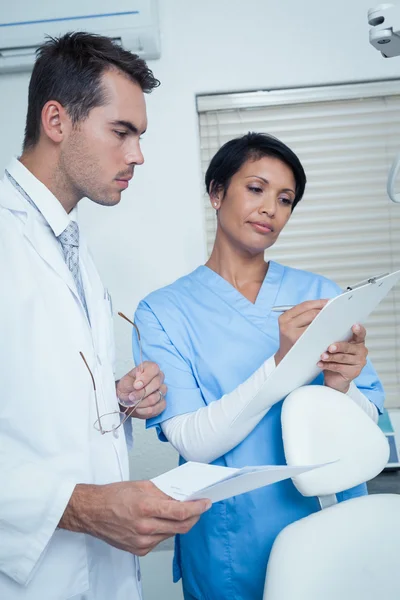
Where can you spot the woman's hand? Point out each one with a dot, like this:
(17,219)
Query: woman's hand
(344,361)
(294,322)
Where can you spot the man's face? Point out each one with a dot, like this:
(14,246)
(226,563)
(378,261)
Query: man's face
(99,155)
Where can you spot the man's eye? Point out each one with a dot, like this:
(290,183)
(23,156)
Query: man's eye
(120,134)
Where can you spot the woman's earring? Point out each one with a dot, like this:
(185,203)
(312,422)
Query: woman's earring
(215,204)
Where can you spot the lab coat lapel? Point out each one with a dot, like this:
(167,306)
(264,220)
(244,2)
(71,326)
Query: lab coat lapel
(43,241)
(94,289)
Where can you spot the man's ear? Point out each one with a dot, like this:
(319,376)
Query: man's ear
(55,121)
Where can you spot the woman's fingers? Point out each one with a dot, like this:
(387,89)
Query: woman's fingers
(359,334)
(301,320)
(304,307)
(346,359)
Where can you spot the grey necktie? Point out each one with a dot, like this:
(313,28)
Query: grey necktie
(69,240)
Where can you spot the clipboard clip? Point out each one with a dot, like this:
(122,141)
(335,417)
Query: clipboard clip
(365,281)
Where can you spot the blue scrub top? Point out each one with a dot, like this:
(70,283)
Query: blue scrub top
(208,339)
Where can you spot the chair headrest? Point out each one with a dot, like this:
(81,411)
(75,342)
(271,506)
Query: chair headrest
(321,425)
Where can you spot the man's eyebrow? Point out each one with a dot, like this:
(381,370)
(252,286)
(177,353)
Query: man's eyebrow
(129,126)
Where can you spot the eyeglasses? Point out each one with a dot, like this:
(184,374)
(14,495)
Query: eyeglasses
(102,422)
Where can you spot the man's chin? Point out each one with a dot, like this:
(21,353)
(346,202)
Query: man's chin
(111,200)
(115,200)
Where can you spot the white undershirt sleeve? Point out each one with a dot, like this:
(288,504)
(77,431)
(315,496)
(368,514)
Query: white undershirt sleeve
(362,401)
(213,430)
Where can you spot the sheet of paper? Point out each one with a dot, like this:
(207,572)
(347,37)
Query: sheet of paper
(198,480)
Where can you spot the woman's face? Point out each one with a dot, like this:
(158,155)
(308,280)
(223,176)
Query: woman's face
(257,204)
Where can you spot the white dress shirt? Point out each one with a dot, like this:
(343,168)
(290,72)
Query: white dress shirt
(48,442)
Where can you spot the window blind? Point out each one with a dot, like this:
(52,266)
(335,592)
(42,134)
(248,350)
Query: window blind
(345,227)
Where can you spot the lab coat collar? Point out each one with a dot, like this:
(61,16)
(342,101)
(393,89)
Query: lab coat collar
(49,207)
(39,231)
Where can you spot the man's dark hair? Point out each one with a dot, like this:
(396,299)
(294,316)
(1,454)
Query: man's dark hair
(252,146)
(69,69)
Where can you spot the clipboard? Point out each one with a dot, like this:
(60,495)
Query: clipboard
(332,324)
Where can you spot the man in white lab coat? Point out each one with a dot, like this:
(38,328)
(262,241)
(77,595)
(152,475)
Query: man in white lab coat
(71,525)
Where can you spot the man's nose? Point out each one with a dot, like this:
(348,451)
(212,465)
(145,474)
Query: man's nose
(134,156)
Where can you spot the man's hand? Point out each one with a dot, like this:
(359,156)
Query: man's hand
(294,322)
(344,361)
(134,516)
(144,385)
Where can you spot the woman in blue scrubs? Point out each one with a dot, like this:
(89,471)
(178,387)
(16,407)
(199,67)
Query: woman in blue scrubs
(216,339)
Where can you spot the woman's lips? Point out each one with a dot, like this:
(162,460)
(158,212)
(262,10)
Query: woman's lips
(262,227)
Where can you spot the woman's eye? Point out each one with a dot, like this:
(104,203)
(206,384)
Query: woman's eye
(255,189)
(287,201)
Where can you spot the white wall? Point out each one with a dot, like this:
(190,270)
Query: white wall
(156,233)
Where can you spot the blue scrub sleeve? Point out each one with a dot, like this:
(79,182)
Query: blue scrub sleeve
(183,395)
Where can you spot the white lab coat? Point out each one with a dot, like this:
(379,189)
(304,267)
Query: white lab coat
(47,409)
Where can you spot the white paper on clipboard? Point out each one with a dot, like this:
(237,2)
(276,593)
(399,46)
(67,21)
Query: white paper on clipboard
(332,324)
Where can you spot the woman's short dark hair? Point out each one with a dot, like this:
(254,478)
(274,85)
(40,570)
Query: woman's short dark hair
(69,69)
(252,146)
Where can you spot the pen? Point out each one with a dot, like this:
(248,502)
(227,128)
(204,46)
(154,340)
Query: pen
(282,308)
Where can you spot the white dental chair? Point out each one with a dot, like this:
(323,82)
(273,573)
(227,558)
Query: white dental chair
(350,550)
